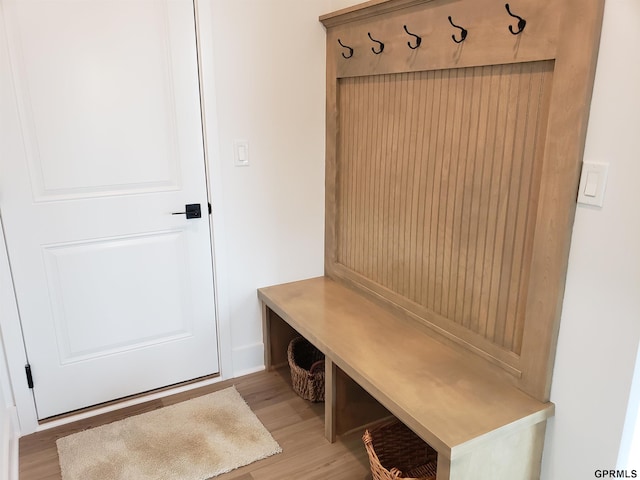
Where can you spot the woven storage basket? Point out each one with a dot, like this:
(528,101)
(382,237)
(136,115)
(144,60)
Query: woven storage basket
(307,369)
(396,452)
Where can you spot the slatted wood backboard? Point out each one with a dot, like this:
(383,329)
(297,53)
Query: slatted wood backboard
(452,168)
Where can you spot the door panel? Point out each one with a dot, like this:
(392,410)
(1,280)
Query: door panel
(89,323)
(115,292)
(115,59)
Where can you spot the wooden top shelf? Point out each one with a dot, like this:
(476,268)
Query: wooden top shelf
(366,10)
(447,397)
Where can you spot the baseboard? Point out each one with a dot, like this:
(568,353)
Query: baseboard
(9,446)
(248,359)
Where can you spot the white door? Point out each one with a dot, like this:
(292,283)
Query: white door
(115,293)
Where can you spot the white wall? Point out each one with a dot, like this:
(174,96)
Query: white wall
(9,428)
(8,424)
(600,328)
(8,413)
(629,455)
(4,416)
(269,62)
(269,87)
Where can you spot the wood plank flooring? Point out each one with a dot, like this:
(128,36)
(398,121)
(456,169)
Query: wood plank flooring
(297,425)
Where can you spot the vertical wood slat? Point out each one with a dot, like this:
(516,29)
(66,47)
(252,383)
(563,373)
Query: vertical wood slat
(436,188)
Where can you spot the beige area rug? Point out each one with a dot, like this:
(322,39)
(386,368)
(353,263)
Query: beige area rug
(193,440)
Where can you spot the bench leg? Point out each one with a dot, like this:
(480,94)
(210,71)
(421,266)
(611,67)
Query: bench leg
(266,336)
(329,400)
(515,455)
(348,407)
(276,336)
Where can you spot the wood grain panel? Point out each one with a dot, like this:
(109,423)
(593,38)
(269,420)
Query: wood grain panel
(438,175)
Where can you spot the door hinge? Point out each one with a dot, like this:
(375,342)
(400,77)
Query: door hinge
(209,207)
(27,369)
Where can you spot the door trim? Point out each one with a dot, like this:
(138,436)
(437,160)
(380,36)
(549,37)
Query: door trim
(13,343)
(213,169)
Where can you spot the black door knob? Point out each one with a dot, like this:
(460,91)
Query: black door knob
(191,211)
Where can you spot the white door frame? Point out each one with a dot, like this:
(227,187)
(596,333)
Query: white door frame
(10,327)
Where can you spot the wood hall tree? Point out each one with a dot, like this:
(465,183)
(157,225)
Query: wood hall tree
(455,135)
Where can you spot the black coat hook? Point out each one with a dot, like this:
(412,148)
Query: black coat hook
(349,48)
(378,42)
(521,21)
(418,39)
(463,32)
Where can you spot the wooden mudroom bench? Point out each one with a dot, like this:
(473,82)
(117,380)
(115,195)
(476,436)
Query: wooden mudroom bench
(481,425)
(454,139)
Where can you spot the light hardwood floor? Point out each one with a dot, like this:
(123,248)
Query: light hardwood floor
(297,425)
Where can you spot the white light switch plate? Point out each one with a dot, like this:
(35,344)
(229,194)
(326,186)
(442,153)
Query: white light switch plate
(241,153)
(592,183)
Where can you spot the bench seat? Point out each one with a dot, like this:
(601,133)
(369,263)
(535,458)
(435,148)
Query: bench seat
(452,400)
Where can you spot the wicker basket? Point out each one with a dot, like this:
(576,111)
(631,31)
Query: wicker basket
(396,452)
(307,369)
